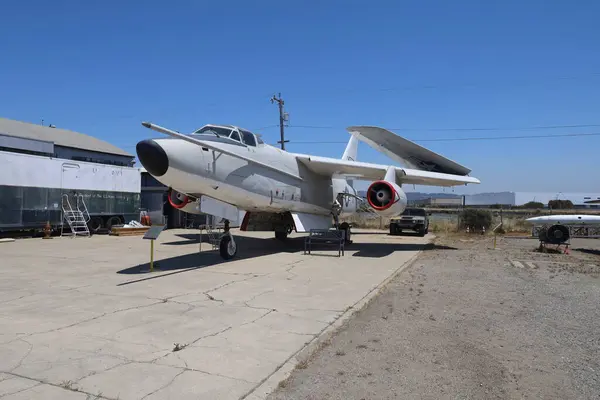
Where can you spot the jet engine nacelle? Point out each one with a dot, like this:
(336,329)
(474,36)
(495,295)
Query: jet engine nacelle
(386,198)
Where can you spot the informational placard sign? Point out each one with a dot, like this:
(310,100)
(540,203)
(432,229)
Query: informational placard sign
(153,232)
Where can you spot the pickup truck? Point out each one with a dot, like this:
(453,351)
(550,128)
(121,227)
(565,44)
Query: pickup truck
(414,219)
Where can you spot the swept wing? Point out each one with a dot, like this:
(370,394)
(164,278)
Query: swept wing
(367,171)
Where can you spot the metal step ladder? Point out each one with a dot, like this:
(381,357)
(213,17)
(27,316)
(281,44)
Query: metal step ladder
(77,217)
(214,232)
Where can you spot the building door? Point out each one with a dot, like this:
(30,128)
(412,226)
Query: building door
(69,181)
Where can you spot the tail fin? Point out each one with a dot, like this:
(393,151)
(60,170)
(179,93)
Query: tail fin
(351,152)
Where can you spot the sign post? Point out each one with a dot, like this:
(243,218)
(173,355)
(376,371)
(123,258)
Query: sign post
(152,234)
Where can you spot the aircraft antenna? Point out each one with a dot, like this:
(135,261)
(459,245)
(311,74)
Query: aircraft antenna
(283,116)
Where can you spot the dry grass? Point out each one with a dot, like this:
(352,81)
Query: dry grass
(368,222)
(443,226)
(511,224)
(514,225)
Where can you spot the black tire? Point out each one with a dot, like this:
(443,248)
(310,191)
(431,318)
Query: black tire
(279,235)
(421,232)
(95,224)
(344,226)
(426,230)
(114,220)
(227,251)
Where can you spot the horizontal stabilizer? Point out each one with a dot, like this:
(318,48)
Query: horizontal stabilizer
(406,152)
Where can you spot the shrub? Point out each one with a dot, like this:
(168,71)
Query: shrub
(560,204)
(475,219)
(533,205)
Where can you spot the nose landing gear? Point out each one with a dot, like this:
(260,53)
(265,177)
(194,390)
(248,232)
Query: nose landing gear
(227,245)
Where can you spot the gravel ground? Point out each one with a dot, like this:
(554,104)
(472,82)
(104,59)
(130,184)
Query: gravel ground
(470,322)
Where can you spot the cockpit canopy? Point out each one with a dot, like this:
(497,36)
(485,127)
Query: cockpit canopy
(234,133)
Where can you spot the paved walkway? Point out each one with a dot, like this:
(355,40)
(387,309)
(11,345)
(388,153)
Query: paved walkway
(84,318)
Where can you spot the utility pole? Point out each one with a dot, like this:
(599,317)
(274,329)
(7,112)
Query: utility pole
(283,116)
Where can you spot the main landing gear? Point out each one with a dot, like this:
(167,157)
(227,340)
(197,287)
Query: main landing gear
(283,234)
(344,226)
(227,246)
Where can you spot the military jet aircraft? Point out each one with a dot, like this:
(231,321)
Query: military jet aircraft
(283,191)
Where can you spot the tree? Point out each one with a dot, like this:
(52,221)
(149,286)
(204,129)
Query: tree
(560,204)
(476,219)
(533,205)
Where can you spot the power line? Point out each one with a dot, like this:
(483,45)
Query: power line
(540,127)
(265,127)
(456,139)
(471,138)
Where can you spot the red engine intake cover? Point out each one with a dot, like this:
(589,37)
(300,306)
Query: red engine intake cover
(183,203)
(381,195)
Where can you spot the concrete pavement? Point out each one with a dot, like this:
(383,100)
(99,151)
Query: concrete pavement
(83,318)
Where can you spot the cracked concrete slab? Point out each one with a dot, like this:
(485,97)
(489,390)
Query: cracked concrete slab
(197,327)
(10,385)
(130,381)
(197,385)
(48,392)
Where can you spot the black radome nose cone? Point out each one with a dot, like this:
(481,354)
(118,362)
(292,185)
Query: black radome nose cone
(152,157)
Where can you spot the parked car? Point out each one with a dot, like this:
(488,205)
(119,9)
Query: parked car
(415,219)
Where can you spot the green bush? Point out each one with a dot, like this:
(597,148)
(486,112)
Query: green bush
(560,204)
(533,205)
(475,219)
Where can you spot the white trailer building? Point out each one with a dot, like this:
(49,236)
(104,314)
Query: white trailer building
(43,166)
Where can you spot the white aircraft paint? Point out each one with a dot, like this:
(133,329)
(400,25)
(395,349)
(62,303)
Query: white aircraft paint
(234,166)
(566,219)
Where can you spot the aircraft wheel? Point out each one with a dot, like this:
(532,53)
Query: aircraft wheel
(279,235)
(344,226)
(227,247)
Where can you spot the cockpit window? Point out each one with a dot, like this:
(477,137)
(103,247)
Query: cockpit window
(248,138)
(211,130)
(235,136)
(259,140)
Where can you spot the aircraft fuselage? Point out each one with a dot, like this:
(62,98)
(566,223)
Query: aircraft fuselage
(196,171)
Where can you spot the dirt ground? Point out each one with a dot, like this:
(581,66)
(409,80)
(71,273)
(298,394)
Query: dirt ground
(470,322)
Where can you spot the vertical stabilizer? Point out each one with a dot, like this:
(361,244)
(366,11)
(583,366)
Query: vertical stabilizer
(351,152)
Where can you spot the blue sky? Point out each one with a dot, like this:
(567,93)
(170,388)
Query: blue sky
(103,67)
